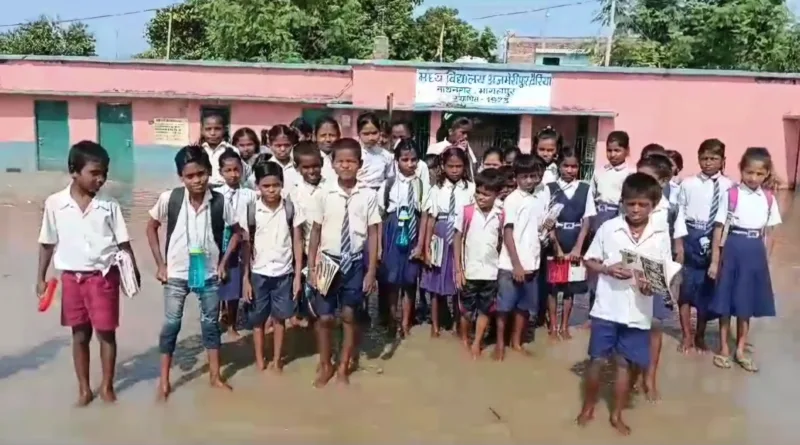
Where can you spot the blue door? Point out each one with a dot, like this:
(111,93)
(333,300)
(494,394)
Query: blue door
(52,134)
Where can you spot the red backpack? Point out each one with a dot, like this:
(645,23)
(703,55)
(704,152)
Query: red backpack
(733,200)
(469,212)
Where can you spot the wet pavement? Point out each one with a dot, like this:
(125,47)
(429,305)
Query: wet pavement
(428,392)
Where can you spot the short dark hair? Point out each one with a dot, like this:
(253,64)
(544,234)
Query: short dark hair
(660,163)
(506,172)
(489,179)
(305,148)
(432,161)
(676,158)
(620,137)
(264,169)
(404,123)
(192,154)
(229,153)
(640,185)
(651,149)
(528,163)
(511,149)
(713,146)
(85,152)
(346,144)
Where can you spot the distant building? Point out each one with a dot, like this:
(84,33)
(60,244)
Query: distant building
(563,51)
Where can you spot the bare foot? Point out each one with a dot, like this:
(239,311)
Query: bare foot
(343,376)
(233,334)
(552,334)
(164,390)
(108,395)
(700,346)
(586,416)
(521,350)
(619,425)
(499,354)
(587,324)
(475,350)
(651,393)
(686,347)
(435,332)
(565,334)
(324,375)
(354,365)
(276,366)
(84,398)
(260,365)
(218,383)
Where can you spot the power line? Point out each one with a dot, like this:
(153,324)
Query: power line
(530,11)
(95,17)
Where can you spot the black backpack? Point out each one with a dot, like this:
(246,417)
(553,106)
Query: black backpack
(216,206)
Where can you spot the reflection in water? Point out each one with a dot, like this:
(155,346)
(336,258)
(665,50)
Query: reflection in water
(429,391)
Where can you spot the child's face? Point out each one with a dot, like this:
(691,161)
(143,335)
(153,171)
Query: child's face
(492,161)
(507,189)
(310,167)
(407,162)
(485,198)
(546,149)
(281,148)
(327,134)
(231,171)
(91,177)
(569,169)
(460,136)
(270,188)
(638,209)
(710,163)
(400,132)
(454,169)
(213,131)
(195,177)
(247,147)
(754,174)
(528,181)
(346,163)
(510,157)
(652,173)
(616,155)
(369,135)
(383,139)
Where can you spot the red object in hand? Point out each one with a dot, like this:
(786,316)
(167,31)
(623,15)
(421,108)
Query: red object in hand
(557,271)
(49,293)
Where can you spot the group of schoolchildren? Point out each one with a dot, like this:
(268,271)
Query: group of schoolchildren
(250,223)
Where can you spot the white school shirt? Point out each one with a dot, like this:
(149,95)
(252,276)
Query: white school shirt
(213,156)
(674,191)
(272,242)
(376,166)
(439,197)
(328,173)
(303,197)
(290,175)
(439,147)
(752,211)
(569,189)
(550,174)
(697,193)
(660,216)
(480,243)
(398,195)
(607,183)
(192,227)
(526,212)
(329,213)
(616,300)
(85,241)
(242,202)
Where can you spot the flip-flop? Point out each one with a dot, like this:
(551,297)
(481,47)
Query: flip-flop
(746,363)
(722,361)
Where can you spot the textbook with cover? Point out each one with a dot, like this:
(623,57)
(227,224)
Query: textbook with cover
(653,271)
(325,273)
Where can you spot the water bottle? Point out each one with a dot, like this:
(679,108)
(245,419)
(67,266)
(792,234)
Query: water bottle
(403,235)
(197,269)
(226,238)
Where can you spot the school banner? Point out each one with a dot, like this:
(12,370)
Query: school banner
(482,89)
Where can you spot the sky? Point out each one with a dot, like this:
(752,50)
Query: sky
(121,37)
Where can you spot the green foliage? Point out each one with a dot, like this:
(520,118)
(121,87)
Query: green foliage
(330,31)
(757,35)
(45,37)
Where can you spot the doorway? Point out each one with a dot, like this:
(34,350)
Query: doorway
(115,134)
(52,135)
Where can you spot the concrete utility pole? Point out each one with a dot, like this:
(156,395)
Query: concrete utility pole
(612,24)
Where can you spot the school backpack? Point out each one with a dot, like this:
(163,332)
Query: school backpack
(390,183)
(733,200)
(216,207)
(469,212)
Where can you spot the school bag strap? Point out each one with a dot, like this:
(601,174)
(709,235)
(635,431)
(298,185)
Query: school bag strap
(216,207)
(733,200)
(469,212)
(288,208)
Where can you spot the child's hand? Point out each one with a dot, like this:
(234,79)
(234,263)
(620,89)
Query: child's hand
(460,280)
(369,283)
(548,224)
(247,290)
(559,253)
(222,273)
(426,258)
(312,277)
(575,256)
(416,254)
(161,274)
(619,272)
(713,269)
(297,287)
(519,274)
(645,288)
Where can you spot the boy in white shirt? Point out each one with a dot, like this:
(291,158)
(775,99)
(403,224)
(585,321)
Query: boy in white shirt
(277,261)
(196,218)
(345,217)
(477,243)
(81,232)
(525,209)
(623,309)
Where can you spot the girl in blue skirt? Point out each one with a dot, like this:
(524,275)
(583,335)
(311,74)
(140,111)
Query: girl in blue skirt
(452,191)
(568,240)
(739,261)
(400,200)
(241,201)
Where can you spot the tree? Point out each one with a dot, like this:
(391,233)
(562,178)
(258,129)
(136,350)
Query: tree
(328,31)
(47,37)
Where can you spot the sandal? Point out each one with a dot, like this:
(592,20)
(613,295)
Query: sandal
(722,361)
(746,363)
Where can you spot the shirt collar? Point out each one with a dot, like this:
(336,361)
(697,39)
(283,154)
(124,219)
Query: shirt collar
(618,168)
(261,207)
(705,177)
(334,188)
(65,200)
(563,185)
(285,166)
(620,225)
(663,204)
(759,191)
(221,147)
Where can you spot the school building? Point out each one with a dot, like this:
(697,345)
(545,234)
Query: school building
(143,110)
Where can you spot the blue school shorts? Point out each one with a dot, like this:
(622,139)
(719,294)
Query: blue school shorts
(272,296)
(347,290)
(513,296)
(608,338)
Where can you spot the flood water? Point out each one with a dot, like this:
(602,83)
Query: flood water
(428,392)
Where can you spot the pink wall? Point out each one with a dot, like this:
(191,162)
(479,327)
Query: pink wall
(16,119)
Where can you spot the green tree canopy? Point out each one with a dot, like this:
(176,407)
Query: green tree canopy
(47,37)
(311,30)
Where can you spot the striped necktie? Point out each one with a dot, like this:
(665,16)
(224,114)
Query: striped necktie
(346,245)
(714,207)
(451,228)
(412,223)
